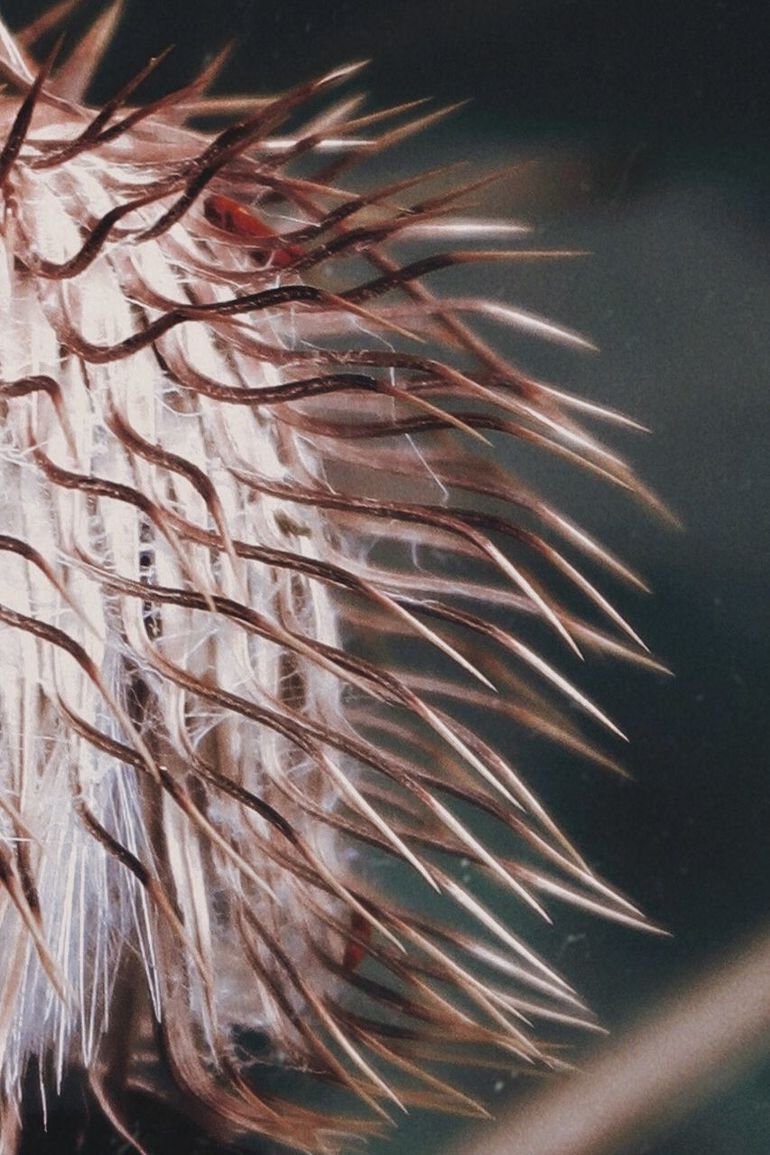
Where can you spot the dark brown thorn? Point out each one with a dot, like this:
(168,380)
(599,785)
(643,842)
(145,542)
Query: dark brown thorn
(236,306)
(466,944)
(438,966)
(472,418)
(236,140)
(551,726)
(21,852)
(23,386)
(373,1032)
(433,373)
(289,391)
(455,524)
(53,636)
(456,329)
(211,832)
(337,215)
(278,991)
(313,872)
(409,1036)
(101,741)
(115,848)
(492,524)
(43,384)
(189,378)
(123,753)
(615,908)
(112,845)
(469,794)
(447,1097)
(364,237)
(104,1097)
(147,880)
(99,235)
(411,780)
(328,1020)
(460,191)
(359,239)
(61,640)
(100,487)
(23,118)
(170,100)
(32,921)
(410,972)
(23,549)
(92,131)
(331,170)
(418,269)
(310,735)
(327,573)
(511,1036)
(310,140)
(523,652)
(354,670)
(199,480)
(384,995)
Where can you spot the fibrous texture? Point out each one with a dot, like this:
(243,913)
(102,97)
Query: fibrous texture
(255,563)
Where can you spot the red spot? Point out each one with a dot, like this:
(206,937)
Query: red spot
(355,947)
(241,221)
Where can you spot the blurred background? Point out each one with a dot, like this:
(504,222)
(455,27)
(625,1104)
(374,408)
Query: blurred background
(644,126)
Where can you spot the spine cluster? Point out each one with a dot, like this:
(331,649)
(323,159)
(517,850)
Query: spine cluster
(261,583)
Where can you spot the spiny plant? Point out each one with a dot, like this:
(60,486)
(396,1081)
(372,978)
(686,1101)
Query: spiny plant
(257,563)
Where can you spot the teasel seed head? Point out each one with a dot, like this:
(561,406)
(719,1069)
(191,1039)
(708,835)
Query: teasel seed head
(257,563)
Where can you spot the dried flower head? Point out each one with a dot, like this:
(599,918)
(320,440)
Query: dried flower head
(256,564)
